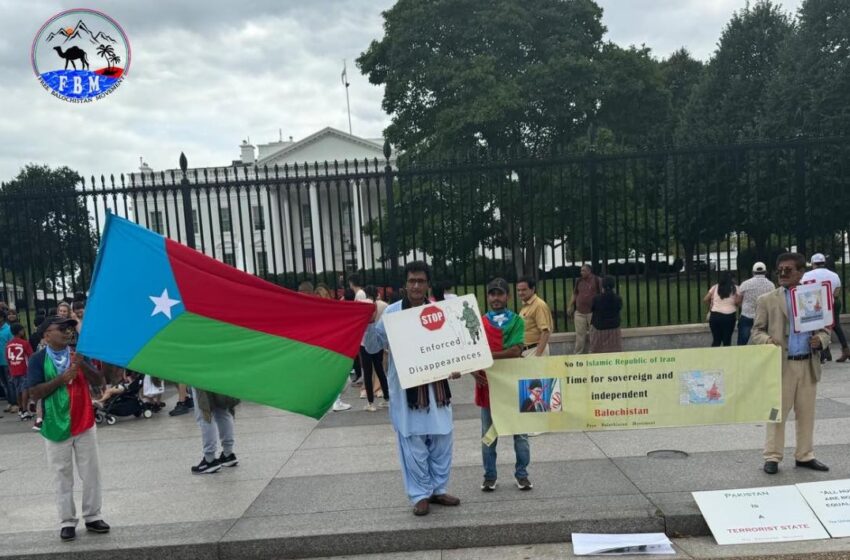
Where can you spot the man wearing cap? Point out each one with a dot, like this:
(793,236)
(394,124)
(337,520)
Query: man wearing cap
(801,368)
(820,273)
(748,293)
(53,376)
(505,331)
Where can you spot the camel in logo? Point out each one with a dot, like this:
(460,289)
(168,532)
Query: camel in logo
(72,54)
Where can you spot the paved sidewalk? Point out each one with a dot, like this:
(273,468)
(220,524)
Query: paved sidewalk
(318,489)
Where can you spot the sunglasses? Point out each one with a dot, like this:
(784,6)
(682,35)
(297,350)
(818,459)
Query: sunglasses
(785,270)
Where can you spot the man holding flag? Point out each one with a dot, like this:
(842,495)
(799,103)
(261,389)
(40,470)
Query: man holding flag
(421,416)
(61,380)
(505,332)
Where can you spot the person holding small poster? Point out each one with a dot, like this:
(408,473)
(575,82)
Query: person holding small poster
(422,415)
(801,368)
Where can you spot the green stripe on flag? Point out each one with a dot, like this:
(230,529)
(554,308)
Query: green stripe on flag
(247,364)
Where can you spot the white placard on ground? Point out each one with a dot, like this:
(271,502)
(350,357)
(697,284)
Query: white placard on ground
(830,500)
(601,544)
(430,342)
(759,515)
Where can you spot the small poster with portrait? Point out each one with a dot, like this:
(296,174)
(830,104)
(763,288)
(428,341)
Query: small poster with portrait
(811,306)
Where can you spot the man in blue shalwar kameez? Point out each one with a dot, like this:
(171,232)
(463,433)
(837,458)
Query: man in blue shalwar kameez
(421,416)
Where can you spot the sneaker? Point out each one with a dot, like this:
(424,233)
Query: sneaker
(190,403)
(228,460)
(37,426)
(362,393)
(489,485)
(370,407)
(180,408)
(12,409)
(384,404)
(339,406)
(206,468)
(524,484)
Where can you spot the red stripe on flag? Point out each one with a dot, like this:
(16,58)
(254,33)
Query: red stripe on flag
(221,292)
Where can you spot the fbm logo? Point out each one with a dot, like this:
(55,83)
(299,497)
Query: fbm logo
(68,49)
(432,318)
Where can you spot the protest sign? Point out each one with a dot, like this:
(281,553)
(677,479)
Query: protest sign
(830,500)
(628,390)
(812,306)
(759,515)
(431,342)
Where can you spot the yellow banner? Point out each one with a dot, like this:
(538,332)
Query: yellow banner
(629,390)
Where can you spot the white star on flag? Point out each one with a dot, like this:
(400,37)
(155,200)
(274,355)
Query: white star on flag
(163,304)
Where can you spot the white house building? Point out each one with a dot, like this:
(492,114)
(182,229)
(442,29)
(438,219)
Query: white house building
(306,217)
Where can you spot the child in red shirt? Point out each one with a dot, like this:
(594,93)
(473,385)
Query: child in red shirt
(18,352)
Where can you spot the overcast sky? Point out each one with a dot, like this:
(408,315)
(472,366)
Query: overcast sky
(206,74)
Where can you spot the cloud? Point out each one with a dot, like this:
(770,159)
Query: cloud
(667,25)
(205,75)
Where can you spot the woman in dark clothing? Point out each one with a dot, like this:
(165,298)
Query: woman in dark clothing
(605,333)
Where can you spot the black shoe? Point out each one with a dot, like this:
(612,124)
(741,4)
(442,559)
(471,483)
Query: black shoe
(228,460)
(814,464)
(98,526)
(179,408)
(771,467)
(190,403)
(68,534)
(206,468)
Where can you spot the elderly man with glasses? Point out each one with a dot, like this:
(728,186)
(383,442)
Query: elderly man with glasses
(801,369)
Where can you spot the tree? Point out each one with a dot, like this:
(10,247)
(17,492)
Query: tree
(809,96)
(810,92)
(48,242)
(460,74)
(726,108)
(505,81)
(634,102)
(681,74)
(108,53)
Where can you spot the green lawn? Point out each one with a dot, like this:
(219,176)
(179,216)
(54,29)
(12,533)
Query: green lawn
(646,302)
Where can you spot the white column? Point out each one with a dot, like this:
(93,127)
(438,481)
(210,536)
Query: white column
(316,232)
(357,222)
(289,258)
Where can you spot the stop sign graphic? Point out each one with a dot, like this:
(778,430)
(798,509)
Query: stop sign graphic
(432,318)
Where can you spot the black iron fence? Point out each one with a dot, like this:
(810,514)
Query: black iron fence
(665,224)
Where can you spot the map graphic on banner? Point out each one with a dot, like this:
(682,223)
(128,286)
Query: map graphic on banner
(430,342)
(629,390)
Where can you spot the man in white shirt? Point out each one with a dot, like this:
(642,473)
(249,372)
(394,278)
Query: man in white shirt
(820,273)
(748,293)
(354,284)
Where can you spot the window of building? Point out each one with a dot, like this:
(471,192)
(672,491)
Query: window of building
(196,224)
(156,221)
(262,263)
(258,218)
(224,220)
(230,258)
(306,216)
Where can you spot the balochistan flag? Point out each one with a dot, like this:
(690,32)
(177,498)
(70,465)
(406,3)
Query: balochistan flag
(163,309)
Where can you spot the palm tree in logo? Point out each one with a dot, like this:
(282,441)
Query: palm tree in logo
(107,52)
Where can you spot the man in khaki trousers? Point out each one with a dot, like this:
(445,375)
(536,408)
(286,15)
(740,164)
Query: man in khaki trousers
(800,365)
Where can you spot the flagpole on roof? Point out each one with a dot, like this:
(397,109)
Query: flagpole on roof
(346,84)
